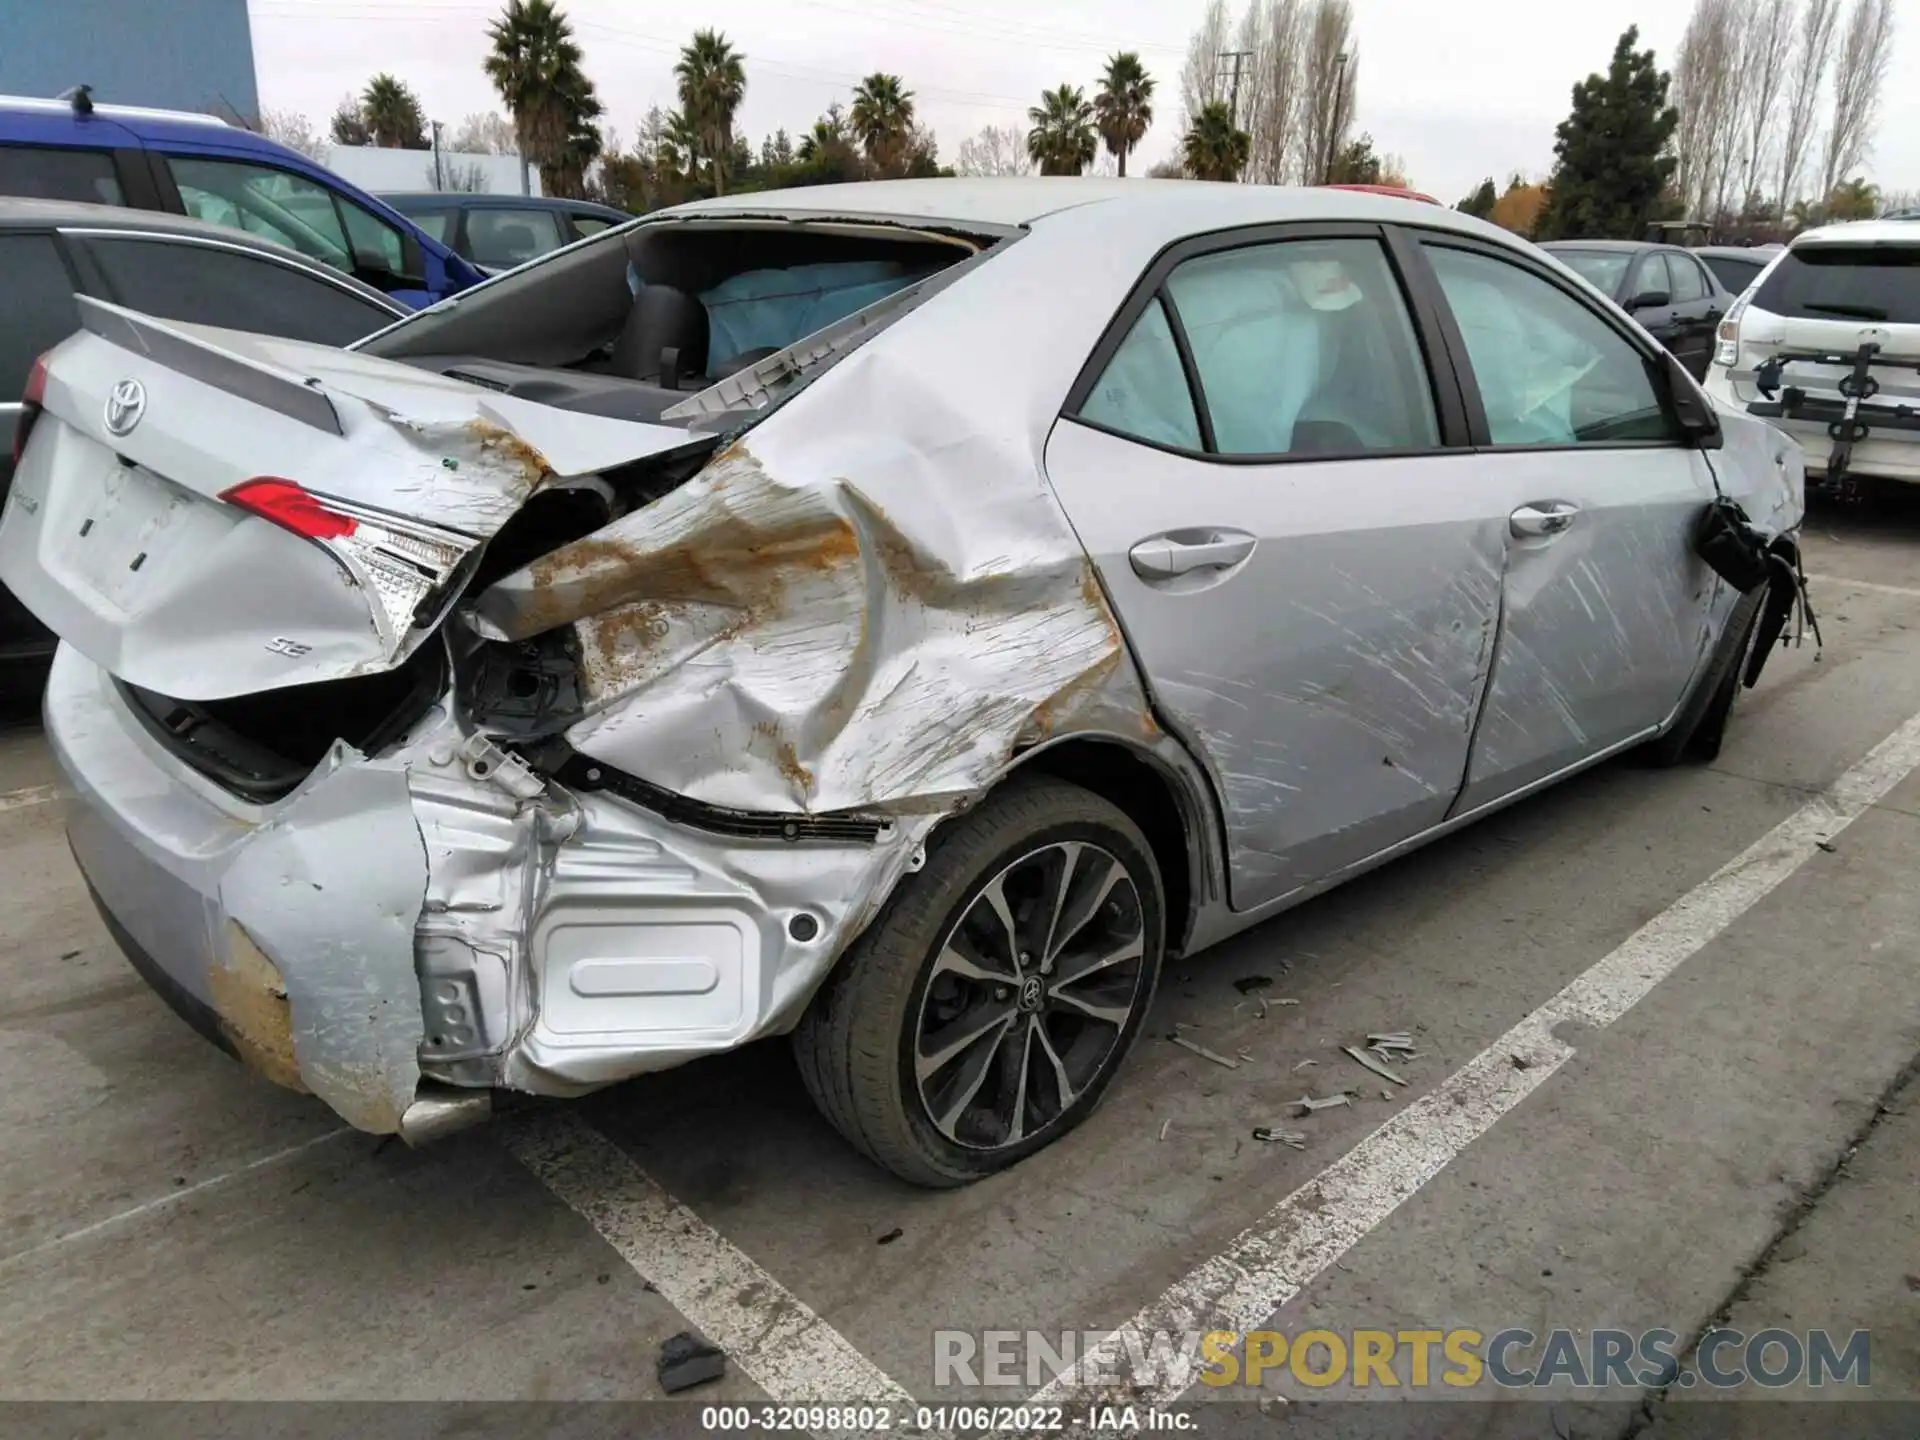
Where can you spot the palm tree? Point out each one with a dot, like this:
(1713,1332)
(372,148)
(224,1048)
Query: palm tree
(1212,149)
(882,119)
(1123,105)
(392,114)
(1062,141)
(535,65)
(713,81)
(679,146)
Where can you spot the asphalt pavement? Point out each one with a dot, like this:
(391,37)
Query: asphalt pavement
(1665,1025)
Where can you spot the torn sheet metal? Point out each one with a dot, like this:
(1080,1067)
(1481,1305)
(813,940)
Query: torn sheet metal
(836,614)
(323,900)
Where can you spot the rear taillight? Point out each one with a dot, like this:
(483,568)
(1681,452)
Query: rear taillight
(291,508)
(403,564)
(30,406)
(1727,351)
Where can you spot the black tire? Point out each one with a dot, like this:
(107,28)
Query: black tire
(1697,734)
(856,1045)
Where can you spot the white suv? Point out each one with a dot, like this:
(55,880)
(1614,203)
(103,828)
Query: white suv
(1826,344)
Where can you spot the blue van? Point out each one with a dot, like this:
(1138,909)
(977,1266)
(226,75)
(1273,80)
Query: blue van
(186,164)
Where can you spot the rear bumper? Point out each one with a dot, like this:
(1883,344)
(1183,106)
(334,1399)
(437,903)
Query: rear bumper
(286,935)
(1891,450)
(402,923)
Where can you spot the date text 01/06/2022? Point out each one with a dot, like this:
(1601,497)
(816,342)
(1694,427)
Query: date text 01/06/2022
(1115,1419)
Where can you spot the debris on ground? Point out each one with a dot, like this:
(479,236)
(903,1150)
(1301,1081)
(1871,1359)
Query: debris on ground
(1165,1126)
(1393,1040)
(1306,1104)
(1247,984)
(686,1360)
(1826,845)
(1203,1052)
(1305,1065)
(1296,1139)
(1386,1095)
(891,1236)
(1378,1067)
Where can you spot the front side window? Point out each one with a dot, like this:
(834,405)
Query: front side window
(1304,348)
(1143,391)
(1550,371)
(274,204)
(501,239)
(47,172)
(377,246)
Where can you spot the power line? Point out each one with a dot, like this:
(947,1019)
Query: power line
(1239,59)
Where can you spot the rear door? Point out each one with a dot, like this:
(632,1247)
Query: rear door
(1262,465)
(1606,612)
(1695,313)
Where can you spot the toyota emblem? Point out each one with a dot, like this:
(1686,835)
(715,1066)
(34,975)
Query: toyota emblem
(125,406)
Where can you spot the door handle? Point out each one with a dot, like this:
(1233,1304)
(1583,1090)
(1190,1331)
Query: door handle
(1165,556)
(1548,517)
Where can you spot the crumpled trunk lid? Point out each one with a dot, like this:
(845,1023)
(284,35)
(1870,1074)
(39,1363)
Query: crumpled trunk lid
(123,535)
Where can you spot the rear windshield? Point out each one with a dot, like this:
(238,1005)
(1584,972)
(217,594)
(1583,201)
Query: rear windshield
(1735,272)
(1845,282)
(1602,269)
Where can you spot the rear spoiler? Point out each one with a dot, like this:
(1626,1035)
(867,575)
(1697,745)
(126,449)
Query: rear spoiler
(275,389)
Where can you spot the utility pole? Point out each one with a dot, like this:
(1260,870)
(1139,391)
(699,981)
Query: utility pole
(439,181)
(1334,116)
(1236,61)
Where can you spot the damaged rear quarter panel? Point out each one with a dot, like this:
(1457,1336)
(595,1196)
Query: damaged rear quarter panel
(871,600)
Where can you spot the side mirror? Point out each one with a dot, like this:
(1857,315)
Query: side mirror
(1649,300)
(1698,419)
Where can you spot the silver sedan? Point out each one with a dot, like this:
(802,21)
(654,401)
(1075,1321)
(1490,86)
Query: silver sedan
(897,615)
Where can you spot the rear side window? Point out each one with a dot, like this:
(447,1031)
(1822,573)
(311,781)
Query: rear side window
(208,285)
(36,301)
(1550,371)
(1303,347)
(1686,282)
(590,224)
(51,173)
(1845,282)
(1143,391)
(501,239)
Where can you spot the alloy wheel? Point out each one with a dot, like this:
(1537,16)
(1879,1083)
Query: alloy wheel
(1029,995)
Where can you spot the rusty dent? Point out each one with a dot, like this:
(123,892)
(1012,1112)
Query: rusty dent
(256,1018)
(501,443)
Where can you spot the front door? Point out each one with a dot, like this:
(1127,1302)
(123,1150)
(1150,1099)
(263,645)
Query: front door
(1606,611)
(1308,577)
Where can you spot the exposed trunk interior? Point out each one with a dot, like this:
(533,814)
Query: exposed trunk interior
(627,327)
(262,746)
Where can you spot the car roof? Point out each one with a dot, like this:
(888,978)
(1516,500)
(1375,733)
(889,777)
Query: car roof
(1627,246)
(492,200)
(1860,232)
(21,214)
(1760,253)
(1011,202)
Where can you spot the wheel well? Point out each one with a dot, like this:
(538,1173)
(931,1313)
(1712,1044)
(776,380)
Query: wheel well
(1146,794)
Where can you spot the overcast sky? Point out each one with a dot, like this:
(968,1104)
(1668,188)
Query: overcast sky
(1461,90)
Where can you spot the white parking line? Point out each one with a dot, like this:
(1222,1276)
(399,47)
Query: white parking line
(172,1197)
(1873,585)
(773,1336)
(1273,1260)
(32,795)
